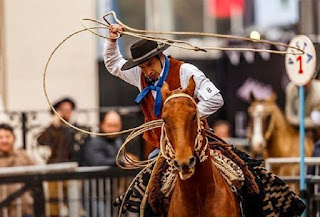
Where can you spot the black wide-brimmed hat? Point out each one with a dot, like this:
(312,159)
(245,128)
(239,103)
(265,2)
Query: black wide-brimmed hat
(143,50)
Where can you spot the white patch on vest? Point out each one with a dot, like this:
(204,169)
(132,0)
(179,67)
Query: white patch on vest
(208,91)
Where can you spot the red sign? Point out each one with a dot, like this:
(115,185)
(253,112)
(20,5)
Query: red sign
(225,8)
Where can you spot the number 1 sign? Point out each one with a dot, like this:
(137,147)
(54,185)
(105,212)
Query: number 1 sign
(301,68)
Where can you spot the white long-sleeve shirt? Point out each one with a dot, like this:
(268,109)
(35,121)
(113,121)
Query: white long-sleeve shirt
(210,99)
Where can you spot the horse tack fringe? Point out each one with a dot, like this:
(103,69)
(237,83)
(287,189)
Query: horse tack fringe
(157,198)
(131,199)
(250,182)
(229,170)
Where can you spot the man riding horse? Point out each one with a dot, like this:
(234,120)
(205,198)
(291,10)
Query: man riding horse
(147,70)
(153,69)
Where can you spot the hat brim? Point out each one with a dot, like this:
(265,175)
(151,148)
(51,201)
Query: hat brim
(131,63)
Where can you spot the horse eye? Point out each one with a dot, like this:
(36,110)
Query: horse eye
(194,117)
(176,165)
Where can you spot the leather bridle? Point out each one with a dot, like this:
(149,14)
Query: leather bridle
(166,147)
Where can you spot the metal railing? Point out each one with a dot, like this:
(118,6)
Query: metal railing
(312,179)
(89,191)
(28,125)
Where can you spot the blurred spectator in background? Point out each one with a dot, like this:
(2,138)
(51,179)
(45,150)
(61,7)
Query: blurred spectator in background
(312,101)
(64,143)
(9,157)
(102,151)
(222,129)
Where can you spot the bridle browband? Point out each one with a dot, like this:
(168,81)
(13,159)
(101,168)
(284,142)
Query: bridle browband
(268,133)
(166,147)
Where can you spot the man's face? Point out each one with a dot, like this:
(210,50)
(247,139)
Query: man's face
(111,124)
(6,140)
(65,110)
(151,68)
(222,131)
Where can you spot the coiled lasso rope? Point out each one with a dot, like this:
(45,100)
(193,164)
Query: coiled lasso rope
(175,43)
(142,34)
(127,161)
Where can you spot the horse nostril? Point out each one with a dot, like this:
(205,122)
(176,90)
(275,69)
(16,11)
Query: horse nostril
(192,162)
(176,164)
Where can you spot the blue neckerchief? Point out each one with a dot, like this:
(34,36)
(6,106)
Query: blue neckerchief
(157,87)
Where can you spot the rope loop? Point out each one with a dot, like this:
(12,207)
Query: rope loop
(149,35)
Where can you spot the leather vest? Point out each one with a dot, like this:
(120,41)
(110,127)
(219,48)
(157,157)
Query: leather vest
(147,104)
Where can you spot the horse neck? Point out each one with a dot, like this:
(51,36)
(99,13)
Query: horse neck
(281,124)
(280,130)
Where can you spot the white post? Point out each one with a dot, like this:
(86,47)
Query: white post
(148,14)
(209,22)
(159,15)
(306,17)
(3,116)
(236,20)
(74,198)
(2,57)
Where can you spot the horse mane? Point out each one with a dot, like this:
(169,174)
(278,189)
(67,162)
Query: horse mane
(281,121)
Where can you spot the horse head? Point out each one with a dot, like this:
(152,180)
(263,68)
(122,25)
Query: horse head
(181,133)
(261,123)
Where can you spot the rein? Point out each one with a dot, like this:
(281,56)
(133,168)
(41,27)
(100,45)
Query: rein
(167,150)
(268,133)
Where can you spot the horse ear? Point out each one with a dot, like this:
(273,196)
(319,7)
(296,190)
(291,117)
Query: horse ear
(191,87)
(272,97)
(165,92)
(251,97)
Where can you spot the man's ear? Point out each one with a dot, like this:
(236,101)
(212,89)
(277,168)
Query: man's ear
(191,87)
(165,92)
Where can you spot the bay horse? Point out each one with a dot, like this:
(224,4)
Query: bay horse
(200,189)
(271,135)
